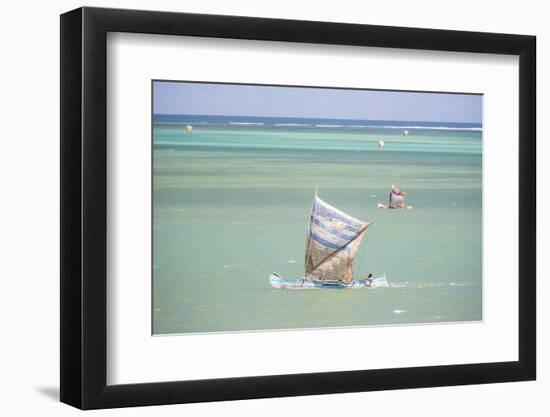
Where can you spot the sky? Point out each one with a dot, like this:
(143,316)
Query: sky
(273,101)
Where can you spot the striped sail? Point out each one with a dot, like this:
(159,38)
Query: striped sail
(332,242)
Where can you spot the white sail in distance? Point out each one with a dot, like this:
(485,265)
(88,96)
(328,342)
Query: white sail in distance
(332,242)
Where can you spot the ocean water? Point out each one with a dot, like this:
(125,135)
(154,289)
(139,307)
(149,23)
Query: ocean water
(232,199)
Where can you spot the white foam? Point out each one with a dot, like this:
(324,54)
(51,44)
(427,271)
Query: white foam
(291,124)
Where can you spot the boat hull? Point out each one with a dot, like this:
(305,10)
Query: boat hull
(281,283)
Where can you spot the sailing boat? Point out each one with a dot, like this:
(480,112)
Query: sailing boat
(333,239)
(397,199)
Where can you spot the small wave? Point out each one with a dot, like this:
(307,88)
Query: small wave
(178,123)
(246,123)
(399,311)
(477,129)
(291,124)
(474,129)
(422,285)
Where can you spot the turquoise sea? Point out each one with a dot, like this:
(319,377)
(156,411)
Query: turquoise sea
(230,206)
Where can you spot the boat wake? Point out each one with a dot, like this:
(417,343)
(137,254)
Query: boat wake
(420,285)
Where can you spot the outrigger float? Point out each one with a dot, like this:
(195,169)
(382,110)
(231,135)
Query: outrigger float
(309,284)
(333,239)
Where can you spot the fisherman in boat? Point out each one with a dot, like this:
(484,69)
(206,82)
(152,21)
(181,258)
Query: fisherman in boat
(368,279)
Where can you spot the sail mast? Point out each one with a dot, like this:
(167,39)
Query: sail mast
(308,239)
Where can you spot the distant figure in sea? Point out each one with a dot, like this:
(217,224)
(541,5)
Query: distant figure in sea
(405,133)
(396,199)
(380,145)
(188,129)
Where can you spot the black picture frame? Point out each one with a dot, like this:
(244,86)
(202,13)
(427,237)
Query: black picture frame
(84,207)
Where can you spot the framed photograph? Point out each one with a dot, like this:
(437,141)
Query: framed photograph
(257,208)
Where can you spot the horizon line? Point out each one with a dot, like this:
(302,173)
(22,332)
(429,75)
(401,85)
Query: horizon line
(301,117)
